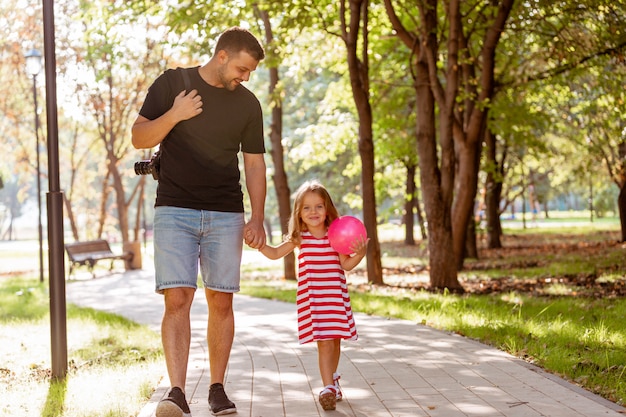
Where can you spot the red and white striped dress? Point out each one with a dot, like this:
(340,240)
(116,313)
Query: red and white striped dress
(323,302)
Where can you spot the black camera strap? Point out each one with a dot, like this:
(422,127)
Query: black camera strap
(186,80)
(187,83)
(153,166)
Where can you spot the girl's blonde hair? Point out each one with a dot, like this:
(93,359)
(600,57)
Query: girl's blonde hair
(296,225)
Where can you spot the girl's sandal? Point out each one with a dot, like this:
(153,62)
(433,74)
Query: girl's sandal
(336,377)
(328,397)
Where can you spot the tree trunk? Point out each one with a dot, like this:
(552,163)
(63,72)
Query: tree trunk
(366,150)
(269,231)
(70,217)
(436,184)
(120,200)
(466,186)
(420,218)
(493,189)
(281,183)
(470,133)
(141,186)
(471,247)
(492,213)
(443,272)
(621,203)
(106,190)
(359,80)
(409,204)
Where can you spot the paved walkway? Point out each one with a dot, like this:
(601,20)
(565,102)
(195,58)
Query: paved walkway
(396,369)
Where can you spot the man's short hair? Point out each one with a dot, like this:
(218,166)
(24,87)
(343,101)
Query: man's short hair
(237,39)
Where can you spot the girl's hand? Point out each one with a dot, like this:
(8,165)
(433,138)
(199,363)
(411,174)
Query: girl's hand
(359,246)
(359,249)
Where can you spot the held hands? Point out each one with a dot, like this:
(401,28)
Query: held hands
(187,105)
(254,235)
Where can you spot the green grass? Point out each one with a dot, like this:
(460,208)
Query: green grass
(549,265)
(113,363)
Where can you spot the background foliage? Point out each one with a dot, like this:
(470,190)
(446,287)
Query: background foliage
(558,113)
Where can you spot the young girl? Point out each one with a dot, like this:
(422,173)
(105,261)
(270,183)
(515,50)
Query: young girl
(323,302)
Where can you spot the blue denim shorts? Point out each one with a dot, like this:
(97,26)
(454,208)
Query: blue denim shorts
(185,238)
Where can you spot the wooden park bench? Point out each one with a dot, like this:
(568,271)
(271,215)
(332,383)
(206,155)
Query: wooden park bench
(89,252)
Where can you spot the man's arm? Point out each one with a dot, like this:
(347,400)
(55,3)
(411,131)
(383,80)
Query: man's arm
(254,231)
(148,133)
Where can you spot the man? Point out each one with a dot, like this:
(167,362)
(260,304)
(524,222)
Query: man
(199,211)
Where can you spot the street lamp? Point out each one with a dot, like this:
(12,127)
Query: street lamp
(33,67)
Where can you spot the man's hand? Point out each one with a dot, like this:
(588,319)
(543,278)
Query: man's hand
(186,105)
(149,133)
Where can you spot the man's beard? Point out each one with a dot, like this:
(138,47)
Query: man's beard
(231,84)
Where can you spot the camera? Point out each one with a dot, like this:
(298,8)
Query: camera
(151,166)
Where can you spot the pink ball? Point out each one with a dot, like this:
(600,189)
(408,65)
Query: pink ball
(343,231)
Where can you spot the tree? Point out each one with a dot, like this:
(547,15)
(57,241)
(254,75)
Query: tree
(551,47)
(18,168)
(470,37)
(354,24)
(598,106)
(393,103)
(112,87)
(281,183)
(516,132)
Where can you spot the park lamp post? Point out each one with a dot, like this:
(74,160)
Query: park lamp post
(33,67)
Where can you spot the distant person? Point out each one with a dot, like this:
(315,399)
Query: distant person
(199,214)
(323,302)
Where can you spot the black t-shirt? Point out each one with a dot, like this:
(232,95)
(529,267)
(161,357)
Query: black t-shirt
(199,163)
